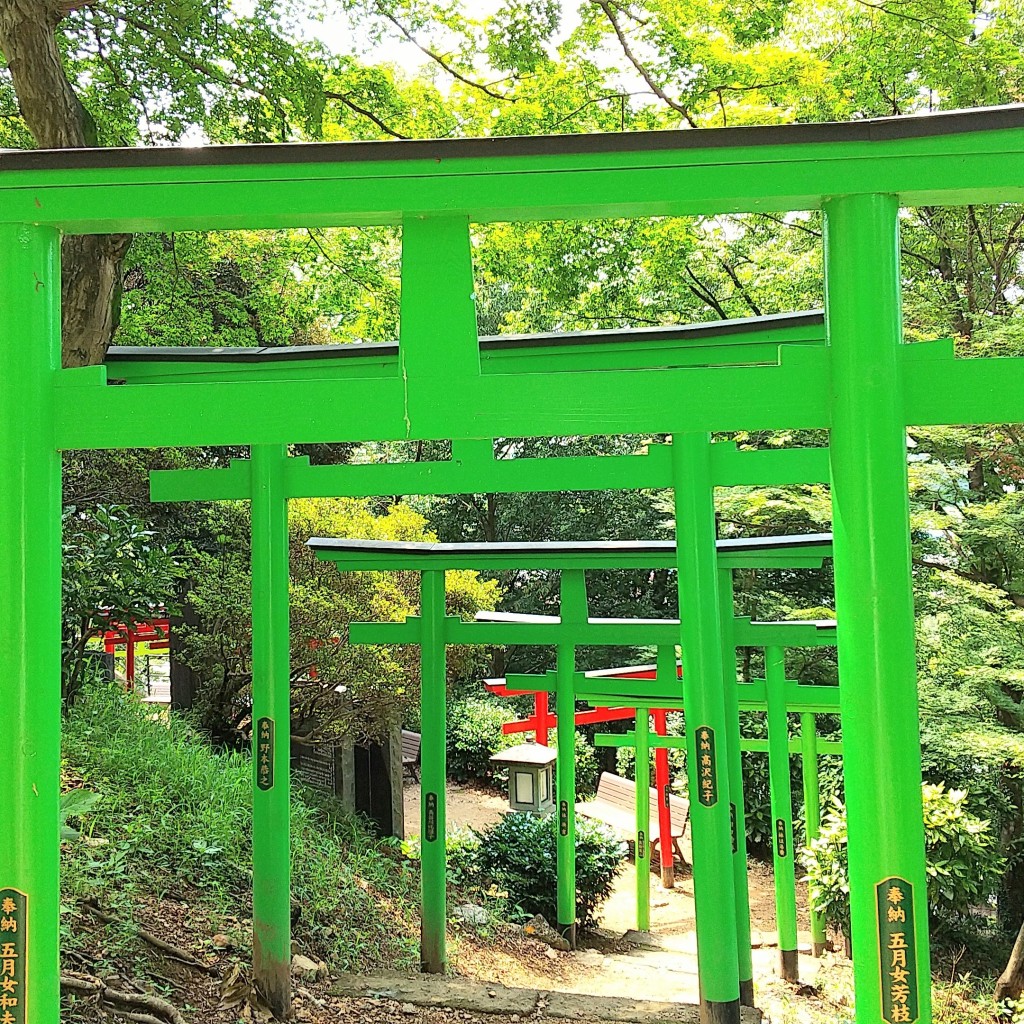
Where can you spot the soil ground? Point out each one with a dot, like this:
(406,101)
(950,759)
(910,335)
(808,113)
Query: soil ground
(465,807)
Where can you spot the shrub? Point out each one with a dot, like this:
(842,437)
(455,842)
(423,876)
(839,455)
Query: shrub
(114,568)
(963,863)
(518,856)
(586,767)
(463,849)
(474,733)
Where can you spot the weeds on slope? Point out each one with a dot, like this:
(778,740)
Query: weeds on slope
(174,817)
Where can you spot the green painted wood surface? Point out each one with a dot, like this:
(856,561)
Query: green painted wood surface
(30,601)
(271,702)
(882,755)
(941,169)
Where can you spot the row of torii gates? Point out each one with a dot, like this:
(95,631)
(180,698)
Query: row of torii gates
(663,688)
(850,373)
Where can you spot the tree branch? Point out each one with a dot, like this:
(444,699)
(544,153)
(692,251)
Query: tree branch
(701,290)
(442,62)
(342,98)
(882,8)
(588,103)
(740,286)
(658,91)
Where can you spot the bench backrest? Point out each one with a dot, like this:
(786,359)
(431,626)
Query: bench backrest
(410,745)
(621,793)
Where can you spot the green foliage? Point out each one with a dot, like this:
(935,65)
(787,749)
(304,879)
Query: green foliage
(825,861)
(75,803)
(175,818)
(337,688)
(474,734)
(149,74)
(963,862)
(463,848)
(757,789)
(114,569)
(268,288)
(587,772)
(517,33)
(518,855)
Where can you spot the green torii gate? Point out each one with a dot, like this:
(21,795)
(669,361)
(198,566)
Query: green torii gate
(783,853)
(855,379)
(778,746)
(270,477)
(713,850)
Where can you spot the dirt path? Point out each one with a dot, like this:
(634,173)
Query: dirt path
(465,806)
(664,970)
(672,910)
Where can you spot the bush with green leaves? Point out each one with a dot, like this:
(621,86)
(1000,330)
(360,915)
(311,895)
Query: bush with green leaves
(518,856)
(115,568)
(963,862)
(587,770)
(474,734)
(463,848)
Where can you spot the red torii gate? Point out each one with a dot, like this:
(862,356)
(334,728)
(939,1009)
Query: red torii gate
(542,721)
(155,632)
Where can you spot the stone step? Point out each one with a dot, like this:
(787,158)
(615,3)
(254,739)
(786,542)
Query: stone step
(438,991)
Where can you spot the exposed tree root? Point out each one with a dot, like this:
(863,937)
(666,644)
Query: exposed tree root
(143,1008)
(142,1018)
(175,952)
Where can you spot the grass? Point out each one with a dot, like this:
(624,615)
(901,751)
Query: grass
(958,997)
(173,819)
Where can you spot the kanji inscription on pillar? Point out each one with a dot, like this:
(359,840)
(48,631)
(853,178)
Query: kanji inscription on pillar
(265,753)
(897,950)
(13,957)
(707,767)
(431,823)
(781,846)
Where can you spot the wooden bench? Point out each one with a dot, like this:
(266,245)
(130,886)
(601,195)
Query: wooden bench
(615,805)
(411,753)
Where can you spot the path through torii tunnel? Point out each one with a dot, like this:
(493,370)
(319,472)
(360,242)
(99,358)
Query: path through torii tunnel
(637,689)
(851,375)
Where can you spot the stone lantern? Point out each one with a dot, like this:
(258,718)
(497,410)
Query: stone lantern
(530,777)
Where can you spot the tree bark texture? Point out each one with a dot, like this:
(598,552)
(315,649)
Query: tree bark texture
(1011,981)
(92,264)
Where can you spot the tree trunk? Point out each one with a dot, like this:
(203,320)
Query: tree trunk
(1011,890)
(1011,981)
(92,264)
